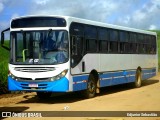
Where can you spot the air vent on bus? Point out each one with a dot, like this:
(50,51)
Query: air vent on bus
(31,80)
(40,87)
(34,69)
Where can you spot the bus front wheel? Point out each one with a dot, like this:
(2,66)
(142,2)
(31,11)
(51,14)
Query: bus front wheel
(44,95)
(90,92)
(138,80)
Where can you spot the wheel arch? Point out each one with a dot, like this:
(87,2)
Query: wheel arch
(139,68)
(95,74)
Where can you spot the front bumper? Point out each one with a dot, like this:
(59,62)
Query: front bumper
(61,85)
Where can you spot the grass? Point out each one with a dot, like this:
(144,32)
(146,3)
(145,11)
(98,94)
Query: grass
(4,58)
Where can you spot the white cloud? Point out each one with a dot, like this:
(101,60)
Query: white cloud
(139,16)
(88,9)
(152,27)
(41,2)
(146,17)
(1,6)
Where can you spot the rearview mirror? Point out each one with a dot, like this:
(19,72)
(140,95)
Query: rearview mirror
(2,39)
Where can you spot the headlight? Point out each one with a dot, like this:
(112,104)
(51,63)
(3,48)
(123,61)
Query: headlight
(12,76)
(61,75)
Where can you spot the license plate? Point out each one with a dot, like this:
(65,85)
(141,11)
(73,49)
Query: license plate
(33,85)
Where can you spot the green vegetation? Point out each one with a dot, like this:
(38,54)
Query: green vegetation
(4,57)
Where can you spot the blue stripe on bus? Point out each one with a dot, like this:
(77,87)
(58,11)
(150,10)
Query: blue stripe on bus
(112,78)
(79,86)
(148,73)
(79,82)
(61,85)
(115,78)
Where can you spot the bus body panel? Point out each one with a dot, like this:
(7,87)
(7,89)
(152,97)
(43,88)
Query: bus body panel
(106,65)
(115,62)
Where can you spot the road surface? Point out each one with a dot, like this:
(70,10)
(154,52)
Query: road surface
(115,98)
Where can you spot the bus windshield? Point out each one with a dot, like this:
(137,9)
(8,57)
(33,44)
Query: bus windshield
(39,47)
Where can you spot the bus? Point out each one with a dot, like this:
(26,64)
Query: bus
(50,54)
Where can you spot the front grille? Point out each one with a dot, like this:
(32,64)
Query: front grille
(34,69)
(42,79)
(40,87)
(24,79)
(36,80)
(29,88)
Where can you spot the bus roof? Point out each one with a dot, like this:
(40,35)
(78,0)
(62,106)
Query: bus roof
(71,19)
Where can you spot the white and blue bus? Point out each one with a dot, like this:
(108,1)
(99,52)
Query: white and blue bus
(64,54)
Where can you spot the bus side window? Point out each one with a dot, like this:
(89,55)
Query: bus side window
(113,44)
(133,44)
(124,42)
(153,45)
(103,36)
(73,48)
(77,45)
(76,49)
(91,38)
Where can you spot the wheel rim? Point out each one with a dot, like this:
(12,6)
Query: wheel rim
(91,87)
(139,79)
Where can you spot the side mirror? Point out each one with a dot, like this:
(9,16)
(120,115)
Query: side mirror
(2,39)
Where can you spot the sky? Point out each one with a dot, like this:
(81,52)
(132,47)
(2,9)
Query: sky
(141,14)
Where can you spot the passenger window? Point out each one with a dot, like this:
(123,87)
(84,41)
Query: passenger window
(124,45)
(153,45)
(91,38)
(113,43)
(103,36)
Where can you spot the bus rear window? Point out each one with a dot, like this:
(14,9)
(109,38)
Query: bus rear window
(38,22)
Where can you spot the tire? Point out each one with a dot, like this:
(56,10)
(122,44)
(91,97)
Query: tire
(138,80)
(44,95)
(90,92)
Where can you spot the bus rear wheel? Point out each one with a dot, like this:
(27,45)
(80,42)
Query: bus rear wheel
(138,80)
(44,95)
(90,92)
